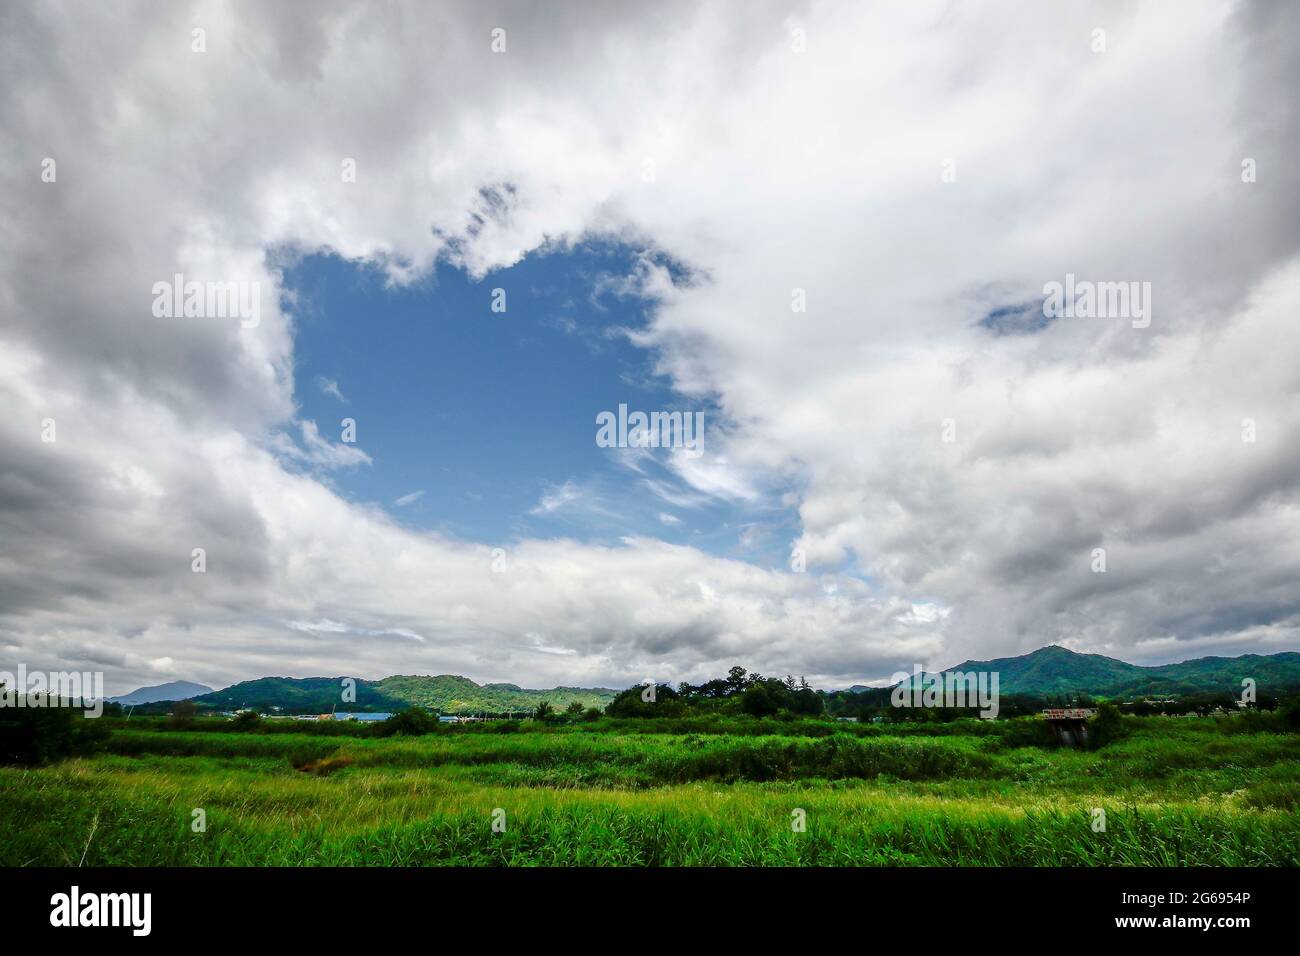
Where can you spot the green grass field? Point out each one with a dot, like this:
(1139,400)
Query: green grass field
(1174,792)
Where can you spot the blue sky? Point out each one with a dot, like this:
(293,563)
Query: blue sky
(482,424)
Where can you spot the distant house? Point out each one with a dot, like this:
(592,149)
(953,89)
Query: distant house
(363,718)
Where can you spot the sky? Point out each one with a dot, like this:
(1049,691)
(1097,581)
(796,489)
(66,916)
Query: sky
(482,424)
(469,229)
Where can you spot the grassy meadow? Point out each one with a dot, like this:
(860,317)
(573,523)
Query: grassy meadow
(626,793)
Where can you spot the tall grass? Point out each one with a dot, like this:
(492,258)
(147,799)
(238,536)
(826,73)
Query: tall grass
(1174,792)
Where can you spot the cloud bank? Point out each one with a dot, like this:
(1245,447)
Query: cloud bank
(862,197)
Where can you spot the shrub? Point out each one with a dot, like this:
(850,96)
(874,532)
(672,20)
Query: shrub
(1107,727)
(1028,732)
(413,722)
(633,702)
(1290,715)
(183,712)
(33,735)
(247,720)
(759,701)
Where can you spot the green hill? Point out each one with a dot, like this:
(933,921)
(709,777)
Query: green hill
(447,693)
(1056,670)
(1213,673)
(458,695)
(1048,671)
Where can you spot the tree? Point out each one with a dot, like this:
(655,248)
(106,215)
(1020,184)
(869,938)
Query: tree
(758,701)
(247,720)
(808,702)
(574,709)
(638,701)
(1106,727)
(735,680)
(714,688)
(183,712)
(412,722)
(544,711)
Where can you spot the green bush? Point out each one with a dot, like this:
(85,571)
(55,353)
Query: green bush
(759,701)
(34,735)
(414,722)
(1028,732)
(632,702)
(246,720)
(1106,727)
(1290,715)
(183,713)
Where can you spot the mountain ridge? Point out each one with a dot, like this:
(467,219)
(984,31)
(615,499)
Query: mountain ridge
(1054,669)
(158,693)
(448,693)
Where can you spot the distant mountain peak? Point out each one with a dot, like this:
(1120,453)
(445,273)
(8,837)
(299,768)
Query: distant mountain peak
(172,690)
(1056,669)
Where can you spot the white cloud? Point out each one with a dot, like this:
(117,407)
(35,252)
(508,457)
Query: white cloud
(330,387)
(329,627)
(410,499)
(557,498)
(318,451)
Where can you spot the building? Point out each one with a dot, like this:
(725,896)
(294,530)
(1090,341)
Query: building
(363,718)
